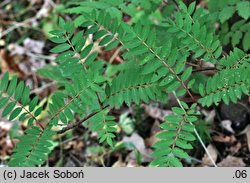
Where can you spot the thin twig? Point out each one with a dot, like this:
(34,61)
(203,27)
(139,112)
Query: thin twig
(15,26)
(40,14)
(76,124)
(99,100)
(196,133)
(41,89)
(201,70)
(40,56)
(25,109)
(115,55)
(204,69)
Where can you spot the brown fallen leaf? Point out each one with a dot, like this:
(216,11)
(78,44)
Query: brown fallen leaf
(155,128)
(132,163)
(34,46)
(247,132)
(150,141)
(231,161)
(138,142)
(223,138)
(234,149)
(213,152)
(156,112)
(77,145)
(6,144)
(8,64)
(119,162)
(209,115)
(111,56)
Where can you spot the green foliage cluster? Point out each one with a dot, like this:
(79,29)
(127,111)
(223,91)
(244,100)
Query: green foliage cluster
(177,132)
(150,72)
(232,31)
(15,96)
(33,147)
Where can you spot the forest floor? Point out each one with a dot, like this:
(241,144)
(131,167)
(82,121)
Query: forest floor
(24,48)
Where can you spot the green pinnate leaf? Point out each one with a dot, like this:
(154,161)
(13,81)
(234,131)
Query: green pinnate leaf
(60,48)
(19,90)
(33,104)
(105,40)
(226,13)
(173,118)
(12,86)
(8,109)
(4,82)
(77,38)
(178,110)
(15,113)
(86,50)
(243,9)
(3,101)
(38,111)
(180,153)
(187,73)
(246,41)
